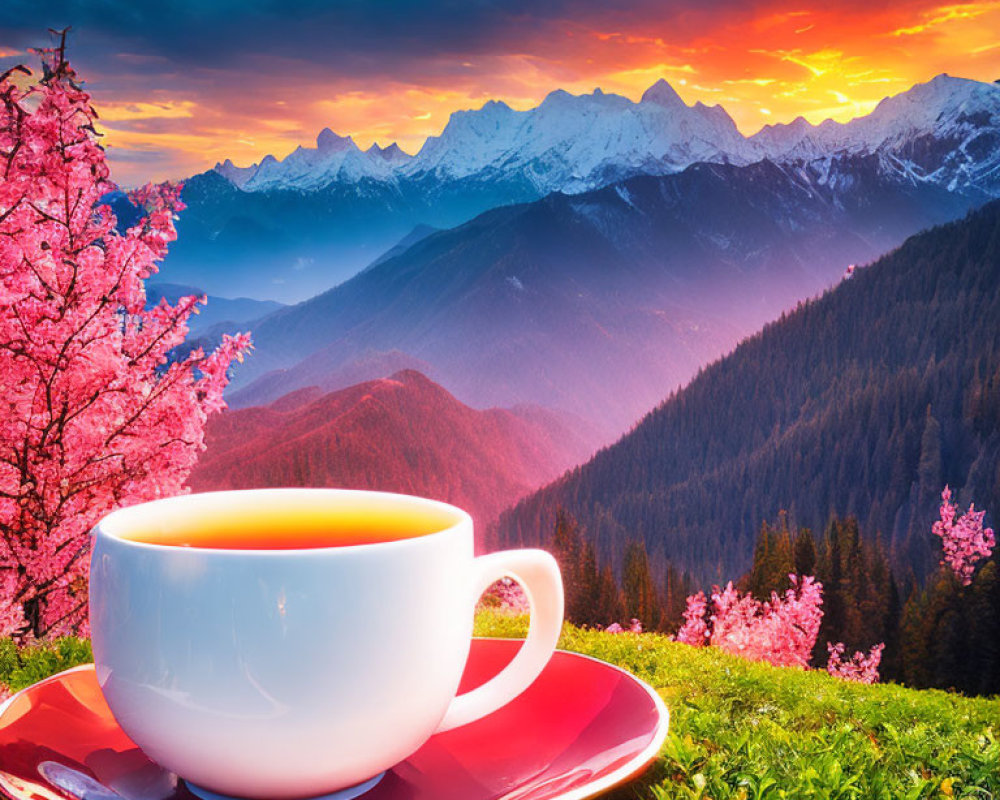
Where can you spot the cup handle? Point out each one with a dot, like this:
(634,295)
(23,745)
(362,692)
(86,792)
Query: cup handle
(538,574)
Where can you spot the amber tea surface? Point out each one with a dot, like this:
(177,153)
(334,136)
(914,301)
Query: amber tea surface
(292,527)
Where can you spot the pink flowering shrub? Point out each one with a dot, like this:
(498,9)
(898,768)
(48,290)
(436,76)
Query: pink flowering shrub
(695,630)
(964,540)
(781,631)
(634,627)
(859,668)
(93,413)
(506,595)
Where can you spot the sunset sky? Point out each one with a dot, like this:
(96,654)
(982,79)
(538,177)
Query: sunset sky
(181,85)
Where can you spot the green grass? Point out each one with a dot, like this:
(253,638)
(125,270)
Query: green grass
(750,731)
(20,668)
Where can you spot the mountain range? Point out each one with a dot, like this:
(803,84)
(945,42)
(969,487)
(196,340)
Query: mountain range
(286,229)
(401,434)
(215,311)
(865,402)
(599,303)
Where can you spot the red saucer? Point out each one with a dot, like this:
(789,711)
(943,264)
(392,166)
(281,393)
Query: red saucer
(583,727)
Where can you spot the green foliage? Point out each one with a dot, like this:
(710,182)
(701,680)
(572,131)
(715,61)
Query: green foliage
(860,600)
(749,730)
(950,633)
(641,600)
(773,560)
(592,594)
(20,668)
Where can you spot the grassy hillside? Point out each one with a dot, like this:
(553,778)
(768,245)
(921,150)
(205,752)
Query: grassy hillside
(751,731)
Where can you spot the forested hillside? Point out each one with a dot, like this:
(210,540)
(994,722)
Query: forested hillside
(399,434)
(865,402)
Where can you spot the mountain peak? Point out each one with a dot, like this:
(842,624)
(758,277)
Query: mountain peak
(393,153)
(662,93)
(496,105)
(329,141)
(556,96)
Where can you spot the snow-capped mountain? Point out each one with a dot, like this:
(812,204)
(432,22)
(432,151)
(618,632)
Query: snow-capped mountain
(945,131)
(334,159)
(576,143)
(568,143)
(238,176)
(392,154)
(287,229)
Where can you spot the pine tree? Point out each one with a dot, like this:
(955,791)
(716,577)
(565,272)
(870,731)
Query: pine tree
(984,631)
(804,553)
(773,560)
(609,607)
(641,602)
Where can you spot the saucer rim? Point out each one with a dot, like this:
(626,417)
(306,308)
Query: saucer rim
(616,778)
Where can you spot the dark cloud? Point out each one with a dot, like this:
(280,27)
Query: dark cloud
(363,37)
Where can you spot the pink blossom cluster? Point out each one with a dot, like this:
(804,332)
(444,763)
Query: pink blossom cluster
(506,595)
(695,630)
(634,627)
(860,668)
(781,631)
(965,541)
(94,413)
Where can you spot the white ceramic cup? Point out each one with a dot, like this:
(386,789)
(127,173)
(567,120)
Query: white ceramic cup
(292,673)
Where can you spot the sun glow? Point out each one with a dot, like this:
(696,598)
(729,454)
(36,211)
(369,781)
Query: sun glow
(764,65)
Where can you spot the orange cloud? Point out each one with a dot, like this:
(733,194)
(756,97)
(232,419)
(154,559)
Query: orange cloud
(945,14)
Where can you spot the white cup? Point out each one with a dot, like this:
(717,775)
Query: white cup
(292,673)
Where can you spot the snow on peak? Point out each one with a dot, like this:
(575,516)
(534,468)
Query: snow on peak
(662,93)
(572,143)
(393,154)
(937,107)
(945,131)
(783,140)
(577,142)
(237,176)
(335,158)
(329,142)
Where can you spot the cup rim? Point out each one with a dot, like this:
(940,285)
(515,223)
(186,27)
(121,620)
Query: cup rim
(104,527)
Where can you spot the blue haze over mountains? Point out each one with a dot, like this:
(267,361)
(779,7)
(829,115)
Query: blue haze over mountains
(597,251)
(864,402)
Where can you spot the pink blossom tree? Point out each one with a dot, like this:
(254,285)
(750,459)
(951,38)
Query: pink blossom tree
(860,668)
(95,413)
(964,539)
(781,631)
